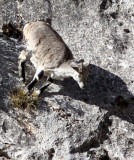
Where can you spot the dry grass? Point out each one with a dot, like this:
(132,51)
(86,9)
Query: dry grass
(22,100)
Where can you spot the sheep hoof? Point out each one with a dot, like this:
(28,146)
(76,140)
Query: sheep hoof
(26,90)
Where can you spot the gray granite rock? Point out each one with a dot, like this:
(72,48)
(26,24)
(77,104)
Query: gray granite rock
(70,123)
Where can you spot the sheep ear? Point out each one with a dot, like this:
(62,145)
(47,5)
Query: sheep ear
(81,61)
(77,63)
(78,66)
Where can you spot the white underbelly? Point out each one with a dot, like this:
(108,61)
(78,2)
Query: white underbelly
(60,74)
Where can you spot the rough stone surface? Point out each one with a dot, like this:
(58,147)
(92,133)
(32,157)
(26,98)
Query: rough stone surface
(73,124)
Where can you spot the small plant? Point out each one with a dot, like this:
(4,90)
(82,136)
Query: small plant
(22,100)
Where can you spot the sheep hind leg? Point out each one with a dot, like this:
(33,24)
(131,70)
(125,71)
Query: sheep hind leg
(21,64)
(38,75)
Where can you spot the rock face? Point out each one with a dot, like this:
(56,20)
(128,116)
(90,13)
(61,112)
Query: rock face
(70,123)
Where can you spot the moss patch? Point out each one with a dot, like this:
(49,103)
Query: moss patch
(22,100)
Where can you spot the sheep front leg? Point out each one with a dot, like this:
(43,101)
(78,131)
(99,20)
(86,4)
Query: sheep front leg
(21,66)
(38,75)
(46,84)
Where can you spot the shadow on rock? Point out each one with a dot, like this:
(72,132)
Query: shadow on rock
(8,70)
(104,89)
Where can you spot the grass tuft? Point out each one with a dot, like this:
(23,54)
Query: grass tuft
(22,100)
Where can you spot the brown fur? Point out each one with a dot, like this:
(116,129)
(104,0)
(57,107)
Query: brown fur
(47,45)
(50,55)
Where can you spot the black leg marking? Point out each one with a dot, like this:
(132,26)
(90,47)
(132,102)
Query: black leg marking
(34,81)
(43,88)
(23,71)
(40,75)
(31,84)
(48,82)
